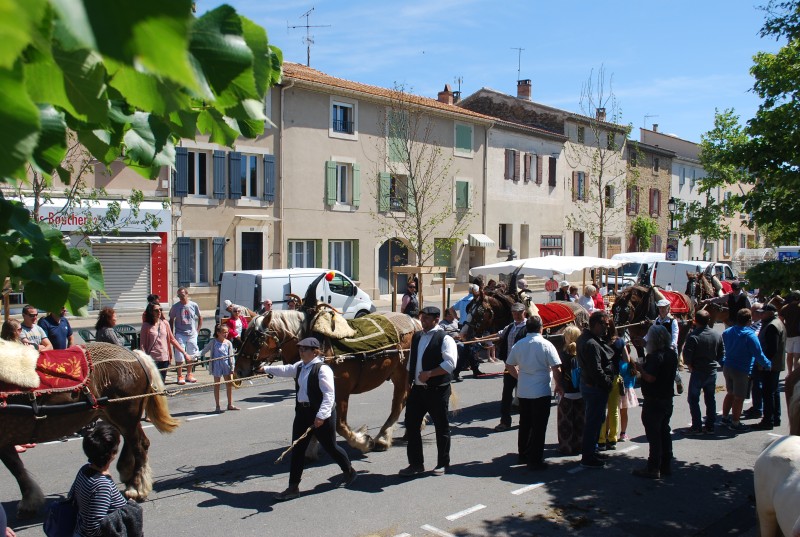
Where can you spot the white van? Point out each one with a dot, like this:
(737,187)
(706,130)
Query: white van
(250,288)
(672,274)
(636,268)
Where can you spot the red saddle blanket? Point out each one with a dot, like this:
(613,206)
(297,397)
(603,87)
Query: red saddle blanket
(60,370)
(726,286)
(553,314)
(677,301)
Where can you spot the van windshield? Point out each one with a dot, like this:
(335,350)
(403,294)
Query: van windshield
(631,270)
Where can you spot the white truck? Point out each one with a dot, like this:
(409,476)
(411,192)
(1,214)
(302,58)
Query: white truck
(672,274)
(250,288)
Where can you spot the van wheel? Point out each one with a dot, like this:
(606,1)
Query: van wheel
(360,314)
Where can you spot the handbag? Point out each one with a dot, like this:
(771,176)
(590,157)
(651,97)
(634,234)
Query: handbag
(61,518)
(575,373)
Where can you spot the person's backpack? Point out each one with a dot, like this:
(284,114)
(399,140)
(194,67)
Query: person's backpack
(575,373)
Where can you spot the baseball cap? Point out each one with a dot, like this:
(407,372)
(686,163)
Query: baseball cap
(565,283)
(663,302)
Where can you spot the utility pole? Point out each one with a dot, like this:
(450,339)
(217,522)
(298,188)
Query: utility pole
(308,39)
(519,60)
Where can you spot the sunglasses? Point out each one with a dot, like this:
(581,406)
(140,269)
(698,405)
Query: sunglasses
(32,314)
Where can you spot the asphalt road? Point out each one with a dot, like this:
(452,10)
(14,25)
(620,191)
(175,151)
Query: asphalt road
(216,475)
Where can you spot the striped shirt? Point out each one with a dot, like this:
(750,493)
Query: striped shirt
(96,495)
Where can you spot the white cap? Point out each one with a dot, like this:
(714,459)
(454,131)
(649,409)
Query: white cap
(565,283)
(228,304)
(663,302)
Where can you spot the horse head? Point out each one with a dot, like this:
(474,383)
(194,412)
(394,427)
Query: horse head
(479,322)
(267,339)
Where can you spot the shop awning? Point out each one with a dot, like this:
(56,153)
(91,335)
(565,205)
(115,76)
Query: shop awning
(480,240)
(146,239)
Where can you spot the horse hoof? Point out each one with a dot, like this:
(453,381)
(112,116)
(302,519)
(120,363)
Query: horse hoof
(380,446)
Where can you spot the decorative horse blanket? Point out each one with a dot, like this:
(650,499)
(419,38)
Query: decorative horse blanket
(372,332)
(677,301)
(726,286)
(553,314)
(57,371)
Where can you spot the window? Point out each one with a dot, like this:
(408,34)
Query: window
(398,135)
(463,135)
(580,188)
(743,240)
(341,285)
(303,253)
(726,204)
(632,200)
(463,196)
(682,180)
(655,202)
(726,246)
(552,171)
(610,142)
(609,196)
(198,261)
(505,237)
(633,156)
(342,189)
(581,135)
(512,164)
(399,195)
(577,242)
(194,256)
(551,245)
(340,256)
(342,183)
(656,243)
(656,163)
(198,172)
(443,256)
(342,118)
(249,175)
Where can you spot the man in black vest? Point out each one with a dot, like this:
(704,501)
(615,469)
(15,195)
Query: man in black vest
(430,371)
(772,337)
(737,300)
(508,336)
(315,407)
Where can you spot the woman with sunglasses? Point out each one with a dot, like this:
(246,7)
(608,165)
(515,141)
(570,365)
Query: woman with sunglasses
(157,339)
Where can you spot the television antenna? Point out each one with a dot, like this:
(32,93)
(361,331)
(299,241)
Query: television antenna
(646,117)
(519,59)
(308,39)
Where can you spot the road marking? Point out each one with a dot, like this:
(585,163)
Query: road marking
(403,535)
(773,434)
(150,426)
(436,531)
(523,490)
(70,439)
(576,470)
(204,416)
(260,406)
(627,449)
(465,512)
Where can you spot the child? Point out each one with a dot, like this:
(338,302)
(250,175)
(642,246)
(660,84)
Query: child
(629,400)
(222,367)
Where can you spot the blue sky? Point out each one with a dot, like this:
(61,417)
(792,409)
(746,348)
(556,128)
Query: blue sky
(677,60)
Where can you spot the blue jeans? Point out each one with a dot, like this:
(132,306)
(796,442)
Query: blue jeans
(595,401)
(705,382)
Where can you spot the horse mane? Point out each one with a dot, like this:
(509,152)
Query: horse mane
(708,287)
(18,364)
(288,321)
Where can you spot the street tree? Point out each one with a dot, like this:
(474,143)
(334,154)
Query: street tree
(598,152)
(643,228)
(414,182)
(128,79)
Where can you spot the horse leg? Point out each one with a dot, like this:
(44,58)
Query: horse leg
(358,439)
(383,440)
(133,466)
(32,497)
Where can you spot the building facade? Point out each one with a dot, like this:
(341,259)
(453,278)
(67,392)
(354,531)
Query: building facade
(649,184)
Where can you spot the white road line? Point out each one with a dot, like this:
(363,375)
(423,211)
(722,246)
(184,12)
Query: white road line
(773,434)
(403,535)
(523,490)
(436,531)
(70,439)
(260,406)
(627,449)
(576,470)
(150,426)
(204,416)
(466,512)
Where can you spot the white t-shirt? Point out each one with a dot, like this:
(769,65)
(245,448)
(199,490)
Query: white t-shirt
(534,356)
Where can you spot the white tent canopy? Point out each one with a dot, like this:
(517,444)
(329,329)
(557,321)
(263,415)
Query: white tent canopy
(547,266)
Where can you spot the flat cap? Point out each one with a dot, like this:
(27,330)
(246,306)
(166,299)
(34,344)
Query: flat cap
(309,343)
(518,306)
(663,302)
(770,307)
(433,311)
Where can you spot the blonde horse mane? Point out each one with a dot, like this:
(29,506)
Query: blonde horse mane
(288,321)
(18,364)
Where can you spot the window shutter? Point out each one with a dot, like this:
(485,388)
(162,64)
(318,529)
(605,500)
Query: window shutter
(650,211)
(636,193)
(219,258)
(527,170)
(507,165)
(462,195)
(628,200)
(464,138)
(552,171)
(354,275)
(330,182)
(356,185)
(219,176)
(234,173)
(539,160)
(657,198)
(384,186)
(269,177)
(516,165)
(181,186)
(586,186)
(574,186)
(318,253)
(184,261)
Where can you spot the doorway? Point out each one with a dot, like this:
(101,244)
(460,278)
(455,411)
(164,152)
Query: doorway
(392,253)
(252,250)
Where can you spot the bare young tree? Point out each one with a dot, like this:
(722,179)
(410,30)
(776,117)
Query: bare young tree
(415,181)
(595,151)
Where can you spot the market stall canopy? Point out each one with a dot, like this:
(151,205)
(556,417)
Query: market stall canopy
(547,266)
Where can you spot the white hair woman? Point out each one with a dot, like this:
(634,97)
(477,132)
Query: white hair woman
(586,300)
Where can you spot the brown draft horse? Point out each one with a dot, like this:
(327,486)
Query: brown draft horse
(274,336)
(117,372)
(500,315)
(635,304)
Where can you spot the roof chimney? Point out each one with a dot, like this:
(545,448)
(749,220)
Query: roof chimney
(446,96)
(655,127)
(524,89)
(600,114)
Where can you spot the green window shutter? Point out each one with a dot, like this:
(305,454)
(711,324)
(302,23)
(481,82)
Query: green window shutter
(356,185)
(464,138)
(318,253)
(330,182)
(462,195)
(355,260)
(384,186)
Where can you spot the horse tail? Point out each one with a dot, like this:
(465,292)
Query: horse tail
(156,405)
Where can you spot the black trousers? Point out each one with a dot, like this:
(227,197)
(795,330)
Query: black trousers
(533,417)
(436,402)
(325,434)
(507,398)
(772,397)
(656,414)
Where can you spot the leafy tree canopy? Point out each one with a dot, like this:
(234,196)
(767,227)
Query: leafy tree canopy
(772,276)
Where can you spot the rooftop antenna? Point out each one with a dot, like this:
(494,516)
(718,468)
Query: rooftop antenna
(458,80)
(308,39)
(646,117)
(519,59)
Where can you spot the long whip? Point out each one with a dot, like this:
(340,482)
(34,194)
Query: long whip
(279,459)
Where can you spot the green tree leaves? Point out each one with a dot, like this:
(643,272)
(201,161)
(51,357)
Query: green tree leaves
(643,228)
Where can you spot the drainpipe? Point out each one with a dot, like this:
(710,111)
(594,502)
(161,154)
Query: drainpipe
(485,178)
(281,221)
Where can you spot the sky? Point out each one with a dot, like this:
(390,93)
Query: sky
(670,62)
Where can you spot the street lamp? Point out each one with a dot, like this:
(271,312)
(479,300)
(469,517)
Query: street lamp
(672,206)
(672,234)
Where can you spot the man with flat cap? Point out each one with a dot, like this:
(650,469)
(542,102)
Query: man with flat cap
(772,337)
(508,337)
(430,370)
(314,408)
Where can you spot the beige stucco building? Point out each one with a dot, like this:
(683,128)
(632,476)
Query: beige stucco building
(648,191)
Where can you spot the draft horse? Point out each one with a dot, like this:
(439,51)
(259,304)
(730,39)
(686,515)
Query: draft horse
(274,336)
(41,416)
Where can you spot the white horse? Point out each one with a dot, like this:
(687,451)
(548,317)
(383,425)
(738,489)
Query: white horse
(777,480)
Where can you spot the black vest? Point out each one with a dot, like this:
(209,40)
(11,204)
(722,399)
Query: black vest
(735,303)
(312,386)
(504,347)
(431,358)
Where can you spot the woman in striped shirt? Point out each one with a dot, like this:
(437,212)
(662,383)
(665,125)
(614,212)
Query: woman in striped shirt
(94,492)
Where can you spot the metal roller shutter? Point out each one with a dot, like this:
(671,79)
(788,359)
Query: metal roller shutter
(126,269)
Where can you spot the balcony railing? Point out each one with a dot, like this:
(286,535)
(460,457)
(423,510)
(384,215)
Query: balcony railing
(340,125)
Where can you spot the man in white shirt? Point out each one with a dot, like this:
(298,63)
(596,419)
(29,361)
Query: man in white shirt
(31,331)
(314,408)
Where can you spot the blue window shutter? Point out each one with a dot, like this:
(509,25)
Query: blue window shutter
(356,185)
(219,174)
(269,177)
(330,182)
(184,261)
(384,186)
(219,258)
(234,174)
(181,184)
